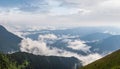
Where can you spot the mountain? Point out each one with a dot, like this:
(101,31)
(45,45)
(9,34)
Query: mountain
(8,41)
(111,43)
(63,45)
(95,36)
(21,60)
(45,62)
(112,61)
(81,31)
(106,45)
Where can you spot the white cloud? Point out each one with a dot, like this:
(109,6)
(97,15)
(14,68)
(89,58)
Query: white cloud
(68,13)
(78,45)
(61,7)
(40,48)
(111,4)
(68,36)
(90,58)
(38,28)
(47,37)
(35,47)
(111,32)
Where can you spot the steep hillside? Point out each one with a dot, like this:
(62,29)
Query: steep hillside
(8,41)
(45,62)
(7,63)
(112,61)
(22,60)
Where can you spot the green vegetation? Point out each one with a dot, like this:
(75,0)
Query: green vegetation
(45,62)
(111,61)
(7,63)
(22,60)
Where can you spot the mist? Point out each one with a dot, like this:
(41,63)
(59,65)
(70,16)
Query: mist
(39,47)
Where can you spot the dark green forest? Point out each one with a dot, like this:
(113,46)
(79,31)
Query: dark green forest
(21,60)
(6,62)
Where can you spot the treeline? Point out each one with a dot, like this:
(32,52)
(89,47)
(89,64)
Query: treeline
(7,62)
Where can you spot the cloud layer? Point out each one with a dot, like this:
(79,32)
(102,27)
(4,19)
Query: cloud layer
(47,37)
(78,45)
(39,47)
(61,12)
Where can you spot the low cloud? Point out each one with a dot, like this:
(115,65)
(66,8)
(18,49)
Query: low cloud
(39,47)
(47,37)
(112,33)
(78,45)
(68,36)
(90,58)
(38,28)
(36,47)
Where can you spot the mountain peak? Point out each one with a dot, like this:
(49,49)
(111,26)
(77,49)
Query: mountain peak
(2,28)
(8,41)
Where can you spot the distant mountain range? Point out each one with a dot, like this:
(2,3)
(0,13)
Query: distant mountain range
(8,41)
(106,43)
(95,36)
(112,61)
(109,44)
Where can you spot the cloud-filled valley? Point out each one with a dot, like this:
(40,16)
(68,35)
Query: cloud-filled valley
(87,46)
(56,43)
(81,31)
(39,47)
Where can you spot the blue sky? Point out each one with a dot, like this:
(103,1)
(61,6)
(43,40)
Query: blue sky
(61,12)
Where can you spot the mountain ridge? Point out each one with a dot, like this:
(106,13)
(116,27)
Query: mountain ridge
(45,62)
(9,42)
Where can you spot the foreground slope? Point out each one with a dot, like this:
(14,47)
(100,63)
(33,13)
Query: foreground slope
(7,63)
(22,60)
(45,62)
(112,61)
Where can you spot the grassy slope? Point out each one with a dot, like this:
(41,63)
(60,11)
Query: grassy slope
(111,61)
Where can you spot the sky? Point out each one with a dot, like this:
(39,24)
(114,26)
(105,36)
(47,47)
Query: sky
(67,13)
